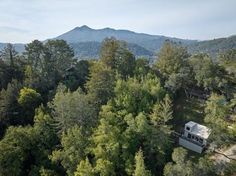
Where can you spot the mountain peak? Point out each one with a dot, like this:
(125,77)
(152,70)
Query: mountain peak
(87,34)
(84,27)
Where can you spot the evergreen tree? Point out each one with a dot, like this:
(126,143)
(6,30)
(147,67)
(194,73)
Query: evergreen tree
(136,95)
(173,66)
(101,84)
(115,54)
(72,151)
(124,62)
(228,60)
(216,111)
(59,56)
(108,52)
(24,150)
(84,169)
(9,108)
(124,127)
(73,108)
(14,151)
(45,140)
(9,73)
(162,112)
(107,142)
(29,99)
(181,166)
(206,73)
(141,67)
(47,63)
(140,169)
(77,75)
(9,54)
(37,64)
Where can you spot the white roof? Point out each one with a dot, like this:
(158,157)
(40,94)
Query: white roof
(191,124)
(199,130)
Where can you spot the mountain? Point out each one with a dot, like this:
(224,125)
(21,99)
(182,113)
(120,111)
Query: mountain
(213,47)
(19,47)
(85,34)
(86,42)
(87,50)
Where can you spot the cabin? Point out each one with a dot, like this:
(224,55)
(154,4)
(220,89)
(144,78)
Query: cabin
(194,137)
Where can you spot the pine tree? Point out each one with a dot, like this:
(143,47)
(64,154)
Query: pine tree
(8,54)
(162,112)
(216,110)
(84,168)
(73,144)
(101,84)
(173,66)
(140,169)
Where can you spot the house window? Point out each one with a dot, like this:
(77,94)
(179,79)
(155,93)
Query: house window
(201,140)
(189,136)
(196,138)
(187,128)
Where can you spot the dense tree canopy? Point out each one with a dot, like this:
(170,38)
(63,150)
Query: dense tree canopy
(72,108)
(114,116)
(141,67)
(183,166)
(124,127)
(100,86)
(73,144)
(9,107)
(228,60)
(77,75)
(10,66)
(47,63)
(173,66)
(24,148)
(116,55)
(9,54)
(217,110)
(84,169)
(206,72)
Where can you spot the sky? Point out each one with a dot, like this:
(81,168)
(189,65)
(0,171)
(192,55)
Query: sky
(22,21)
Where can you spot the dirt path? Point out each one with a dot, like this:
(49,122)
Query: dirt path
(225,155)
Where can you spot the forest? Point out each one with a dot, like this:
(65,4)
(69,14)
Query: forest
(116,115)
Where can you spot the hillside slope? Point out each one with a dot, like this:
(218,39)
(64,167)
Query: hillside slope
(86,42)
(213,47)
(86,34)
(91,50)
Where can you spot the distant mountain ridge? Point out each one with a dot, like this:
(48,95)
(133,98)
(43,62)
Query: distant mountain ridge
(87,34)
(19,47)
(213,46)
(86,42)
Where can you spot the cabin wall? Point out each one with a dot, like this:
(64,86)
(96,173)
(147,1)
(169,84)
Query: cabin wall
(189,145)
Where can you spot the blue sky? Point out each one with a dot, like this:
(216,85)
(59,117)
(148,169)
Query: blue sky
(25,20)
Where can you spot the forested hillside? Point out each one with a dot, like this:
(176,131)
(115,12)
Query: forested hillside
(90,50)
(86,43)
(213,47)
(87,34)
(113,116)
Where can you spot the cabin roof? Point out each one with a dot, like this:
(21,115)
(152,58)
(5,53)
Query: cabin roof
(199,130)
